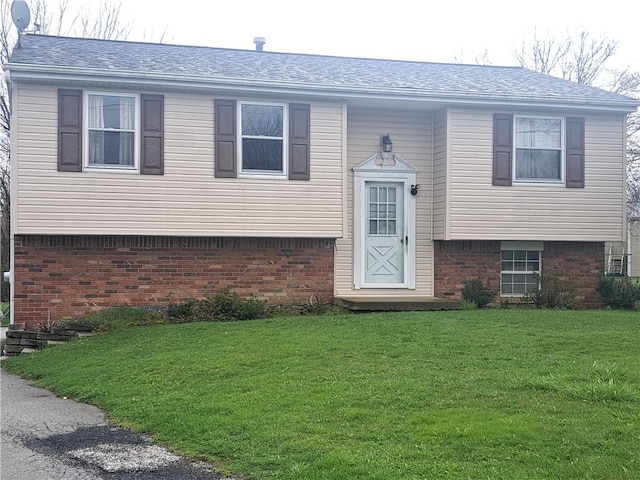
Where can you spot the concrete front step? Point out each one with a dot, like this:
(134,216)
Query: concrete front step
(398,304)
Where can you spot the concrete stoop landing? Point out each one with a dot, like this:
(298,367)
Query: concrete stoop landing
(387,303)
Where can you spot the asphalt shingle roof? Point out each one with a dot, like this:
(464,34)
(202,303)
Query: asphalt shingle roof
(355,75)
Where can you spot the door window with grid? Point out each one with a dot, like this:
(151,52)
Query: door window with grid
(382,211)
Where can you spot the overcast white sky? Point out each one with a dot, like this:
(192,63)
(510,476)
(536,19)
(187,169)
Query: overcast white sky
(436,31)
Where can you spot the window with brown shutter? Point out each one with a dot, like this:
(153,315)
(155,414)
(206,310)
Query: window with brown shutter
(530,149)
(152,135)
(225,139)
(502,148)
(69,130)
(575,152)
(299,139)
(110,132)
(249,138)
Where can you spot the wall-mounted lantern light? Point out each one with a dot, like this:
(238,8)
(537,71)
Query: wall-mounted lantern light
(386,143)
(414,189)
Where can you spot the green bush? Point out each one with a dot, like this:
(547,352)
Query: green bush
(224,306)
(618,292)
(180,312)
(552,292)
(474,291)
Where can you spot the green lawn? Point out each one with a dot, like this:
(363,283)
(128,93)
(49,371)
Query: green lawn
(490,394)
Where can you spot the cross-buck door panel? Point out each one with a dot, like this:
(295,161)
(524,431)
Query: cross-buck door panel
(385,234)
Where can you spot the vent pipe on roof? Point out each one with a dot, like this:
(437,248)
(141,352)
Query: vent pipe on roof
(259,41)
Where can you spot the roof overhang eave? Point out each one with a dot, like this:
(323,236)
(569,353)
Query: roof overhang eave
(47,74)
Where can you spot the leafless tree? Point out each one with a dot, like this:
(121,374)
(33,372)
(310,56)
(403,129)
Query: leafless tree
(543,55)
(478,58)
(580,58)
(628,83)
(584,59)
(94,20)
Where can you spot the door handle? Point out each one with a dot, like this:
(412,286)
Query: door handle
(405,240)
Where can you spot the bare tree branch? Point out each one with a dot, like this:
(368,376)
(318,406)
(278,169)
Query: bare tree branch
(105,23)
(542,55)
(584,59)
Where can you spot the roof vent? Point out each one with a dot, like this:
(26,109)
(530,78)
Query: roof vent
(259,41)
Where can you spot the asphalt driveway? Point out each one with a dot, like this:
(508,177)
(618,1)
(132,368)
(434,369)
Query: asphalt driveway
(44,437)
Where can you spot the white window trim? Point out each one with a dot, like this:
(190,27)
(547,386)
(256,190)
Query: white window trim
(85,135)
(538,182)
(519,246)
(268,174)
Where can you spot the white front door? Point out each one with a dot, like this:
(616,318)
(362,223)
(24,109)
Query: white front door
(384,213)
(385,237)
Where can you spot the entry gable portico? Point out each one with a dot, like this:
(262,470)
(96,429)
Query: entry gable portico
(384,223)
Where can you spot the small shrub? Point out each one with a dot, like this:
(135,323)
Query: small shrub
(49,325)
(552,292)
(180,312)
(250,309)
(618,292)
(224,306)
(475,291)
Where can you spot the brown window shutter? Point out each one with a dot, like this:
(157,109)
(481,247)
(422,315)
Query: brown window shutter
(225,139)
(575,152)
(502,148)
(69,130)
(299,141)
(152,135)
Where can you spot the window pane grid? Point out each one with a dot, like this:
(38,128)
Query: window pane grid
(382,211)
(518,271)
(538,149)
(262,128)
(111,130)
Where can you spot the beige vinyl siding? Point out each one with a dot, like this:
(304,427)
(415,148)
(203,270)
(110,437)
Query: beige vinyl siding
(481,211)
(411,132)
(187,199)
(440,169)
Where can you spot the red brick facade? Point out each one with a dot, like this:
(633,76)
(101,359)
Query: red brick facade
(577,263)
(69,276)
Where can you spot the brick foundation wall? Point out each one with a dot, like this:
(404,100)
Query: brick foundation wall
(70,276)
(577,263)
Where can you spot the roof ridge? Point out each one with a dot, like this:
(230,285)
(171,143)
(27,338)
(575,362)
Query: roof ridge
(268,52)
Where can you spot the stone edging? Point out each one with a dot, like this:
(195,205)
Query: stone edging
(18,340)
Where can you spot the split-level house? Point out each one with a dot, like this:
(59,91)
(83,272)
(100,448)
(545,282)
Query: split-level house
(145,174)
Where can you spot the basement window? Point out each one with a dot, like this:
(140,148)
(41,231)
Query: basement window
(520,262)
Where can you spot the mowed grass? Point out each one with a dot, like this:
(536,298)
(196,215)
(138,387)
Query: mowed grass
(495,394)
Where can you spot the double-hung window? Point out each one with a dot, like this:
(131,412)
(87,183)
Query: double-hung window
(262,139)
(111,131)
(535,149)
(520,262)
(100,131)
(539,149)
(263,144)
